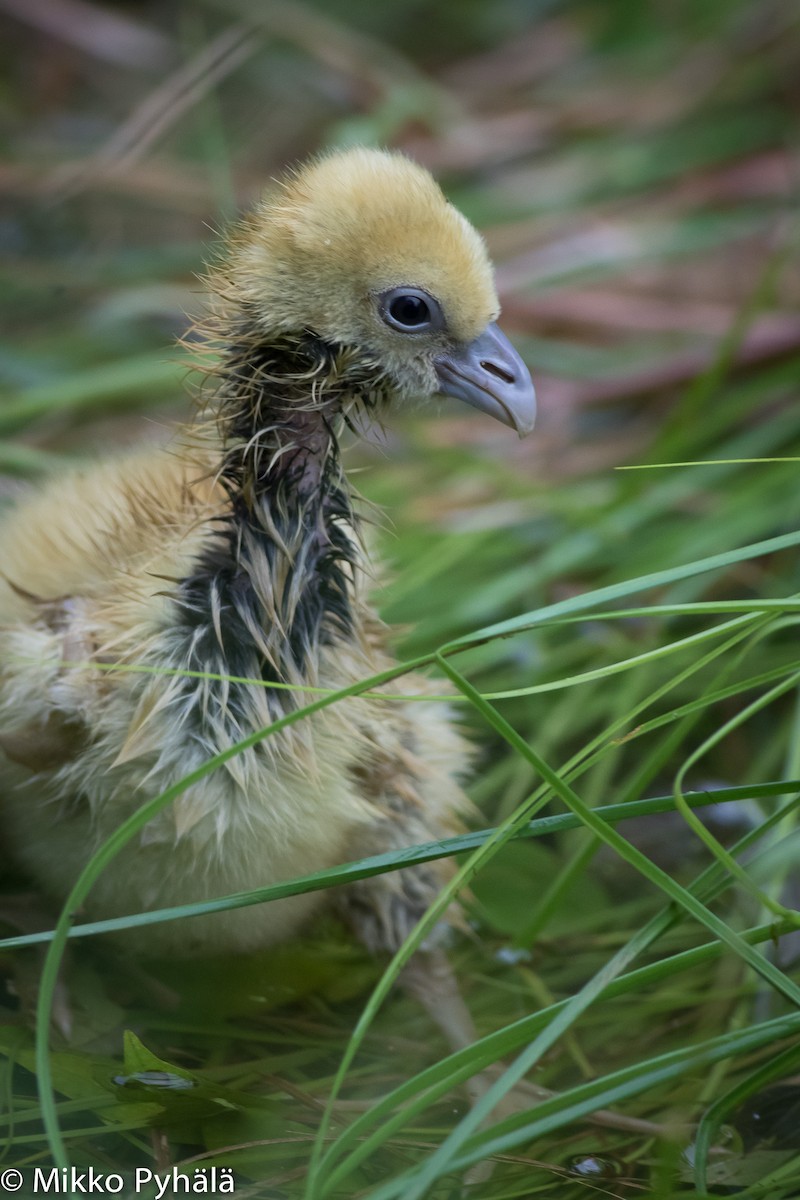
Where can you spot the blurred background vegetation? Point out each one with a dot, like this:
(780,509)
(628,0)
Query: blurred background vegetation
(634,170)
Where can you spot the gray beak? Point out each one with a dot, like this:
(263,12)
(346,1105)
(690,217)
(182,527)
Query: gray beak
(491,376)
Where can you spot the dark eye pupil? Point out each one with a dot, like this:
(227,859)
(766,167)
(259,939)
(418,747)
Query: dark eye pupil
(409,310)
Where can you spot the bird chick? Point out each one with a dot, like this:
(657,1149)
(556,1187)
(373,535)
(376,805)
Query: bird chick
(353,287)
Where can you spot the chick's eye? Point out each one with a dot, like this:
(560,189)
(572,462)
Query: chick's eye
(410,310)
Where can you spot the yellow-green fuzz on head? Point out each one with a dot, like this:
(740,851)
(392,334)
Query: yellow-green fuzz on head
(362,249)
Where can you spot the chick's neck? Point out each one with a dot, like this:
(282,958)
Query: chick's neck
(276,581)
(277,415)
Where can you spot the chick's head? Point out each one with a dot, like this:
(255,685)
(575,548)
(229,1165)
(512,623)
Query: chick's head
(362,250)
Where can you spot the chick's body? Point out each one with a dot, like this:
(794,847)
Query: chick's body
(101,545)
(234,551)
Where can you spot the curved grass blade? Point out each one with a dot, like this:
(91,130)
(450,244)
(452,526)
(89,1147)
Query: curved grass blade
(587,601)
(716,1113)
(379,864)
(697,826)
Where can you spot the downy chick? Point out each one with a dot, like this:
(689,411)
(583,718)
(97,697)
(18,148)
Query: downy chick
(352,288)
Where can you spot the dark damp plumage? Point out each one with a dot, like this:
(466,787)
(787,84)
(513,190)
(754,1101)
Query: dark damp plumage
(291,515)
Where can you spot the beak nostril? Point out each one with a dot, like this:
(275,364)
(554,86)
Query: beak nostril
(489,374)
(498,372)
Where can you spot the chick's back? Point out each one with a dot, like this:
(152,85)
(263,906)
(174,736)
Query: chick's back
(104,529)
